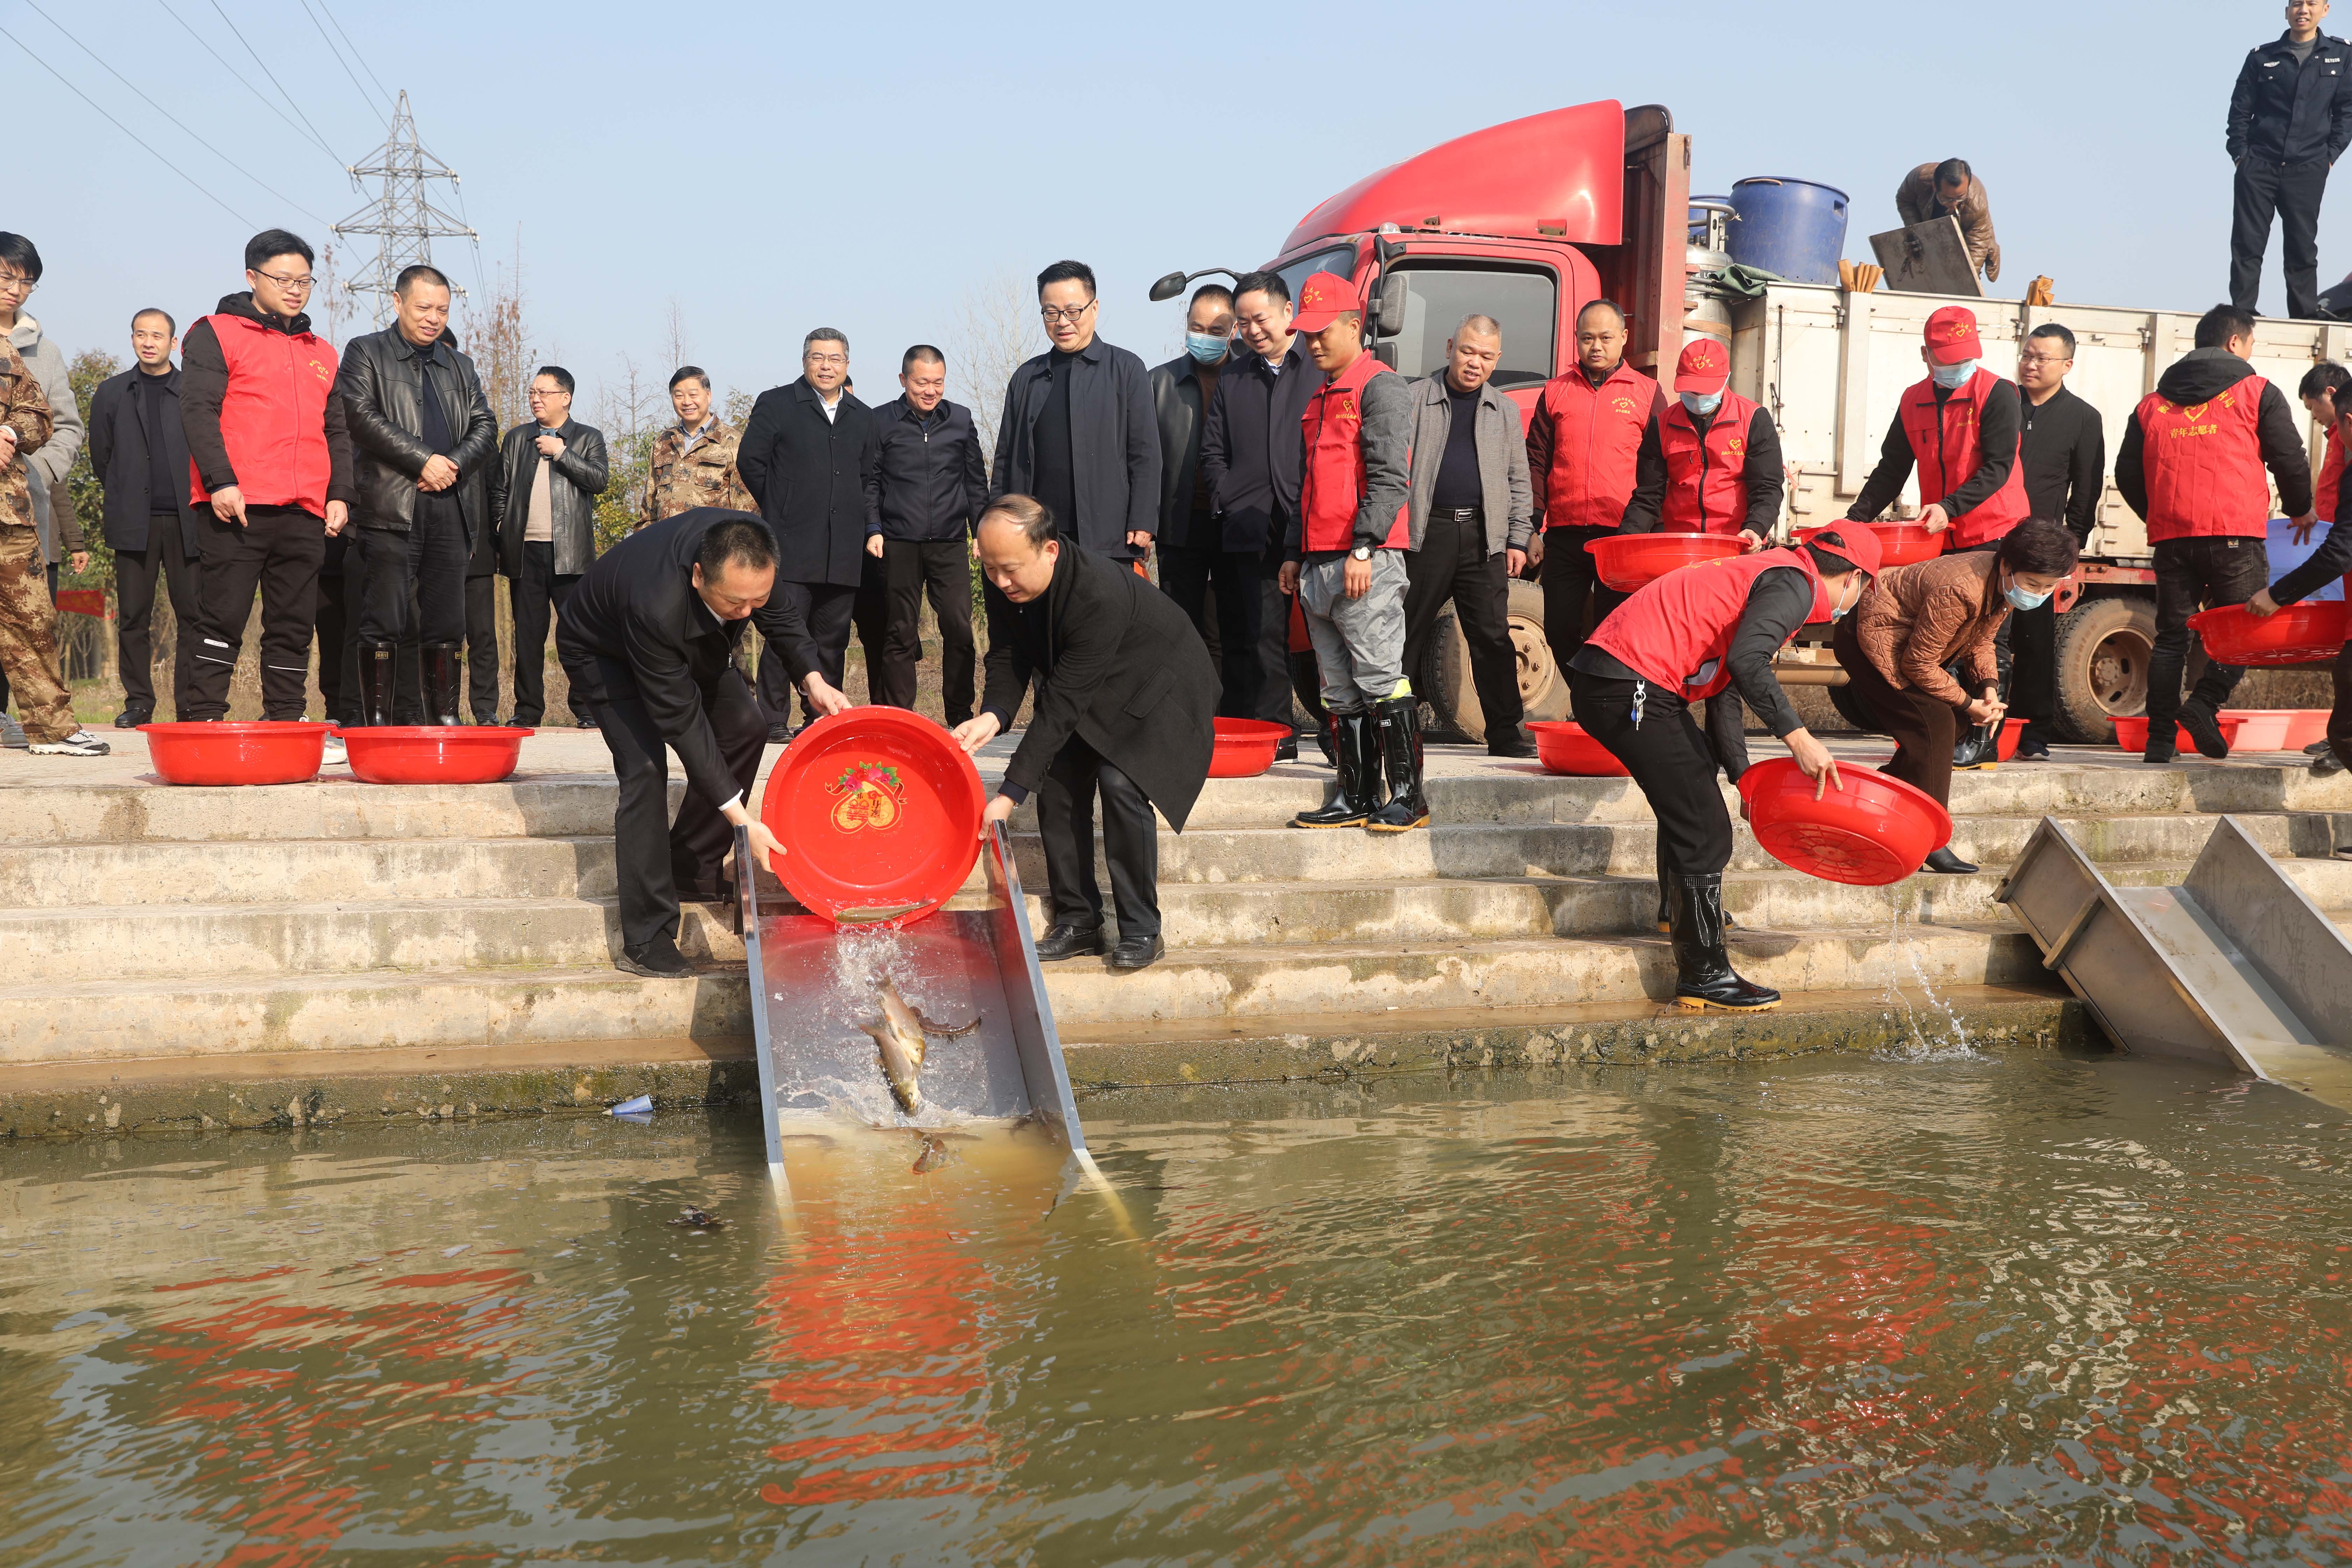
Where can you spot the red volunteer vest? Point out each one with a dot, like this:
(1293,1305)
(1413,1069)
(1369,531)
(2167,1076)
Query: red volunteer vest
(1949,450)
(1706,476)
(1675,630)
(1331,482)
(1596,435)
(2331,476)
(274,414)
(2204,465)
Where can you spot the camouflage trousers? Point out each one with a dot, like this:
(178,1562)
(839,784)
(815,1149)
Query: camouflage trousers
(28,643)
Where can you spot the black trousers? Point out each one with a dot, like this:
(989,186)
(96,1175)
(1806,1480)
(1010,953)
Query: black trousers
(827,607)
(653,857)
(1284,677)
(482,647)
(338,682)
(416,582)
(167,555)
(912,569)
(1065,820)
(1571,591)
(538,597)
(2194,574)
(1924,728)
(278,551)
(1231,580)
(2292,191)
(1452,563)
(1669,759)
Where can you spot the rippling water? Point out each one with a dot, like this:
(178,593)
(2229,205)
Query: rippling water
(2011,1309)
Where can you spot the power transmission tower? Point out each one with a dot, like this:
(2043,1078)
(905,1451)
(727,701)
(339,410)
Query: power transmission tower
(402,218)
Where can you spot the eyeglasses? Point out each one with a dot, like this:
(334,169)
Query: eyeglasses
(16,283)
(301,285)
(1053,313)
(825,359)
(535,395)
(2043,359)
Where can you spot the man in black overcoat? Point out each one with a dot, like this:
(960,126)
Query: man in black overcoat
(650,639)
(1124,694)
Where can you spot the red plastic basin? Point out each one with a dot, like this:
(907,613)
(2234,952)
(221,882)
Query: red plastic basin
(1564,748)
(266,751)
(432,753)
(2296,635)
(1627,561)
(1874,831)
(1245,747)
(1900,543)
(878,810)
(2277,729)
(2131,733)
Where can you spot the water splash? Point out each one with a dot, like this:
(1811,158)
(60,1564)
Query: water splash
(1930,1034)
(830,1064)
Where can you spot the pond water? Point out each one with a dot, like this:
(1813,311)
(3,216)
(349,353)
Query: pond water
(1999,1309)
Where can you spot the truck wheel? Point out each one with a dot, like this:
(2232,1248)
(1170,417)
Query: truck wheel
(1443,680)
(2104,647)
(1850,710)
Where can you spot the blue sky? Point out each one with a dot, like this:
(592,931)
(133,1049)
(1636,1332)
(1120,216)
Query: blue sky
(770,168)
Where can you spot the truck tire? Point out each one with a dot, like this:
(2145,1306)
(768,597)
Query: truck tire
(1444,679)
(2104,647)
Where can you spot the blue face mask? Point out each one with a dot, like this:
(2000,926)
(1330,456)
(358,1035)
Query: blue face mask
(1205,348)
(2021,600)
(1702,402)
(1951,377)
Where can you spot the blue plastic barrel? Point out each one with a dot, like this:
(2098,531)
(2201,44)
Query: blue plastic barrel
(1793,227)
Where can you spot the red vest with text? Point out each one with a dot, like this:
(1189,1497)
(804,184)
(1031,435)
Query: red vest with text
(2330,483)
(2204,465)
(1596,435)
(1706,475)
(1331,480)
(1947,451)
(1675,630)
(274,416)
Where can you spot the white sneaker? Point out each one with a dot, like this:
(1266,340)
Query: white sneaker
(81,743)
(335,753)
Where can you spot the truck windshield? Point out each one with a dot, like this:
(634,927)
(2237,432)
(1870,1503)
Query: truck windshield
(1525,302)
(1339,260)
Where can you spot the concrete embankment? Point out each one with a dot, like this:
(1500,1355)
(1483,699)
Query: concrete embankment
(311,953)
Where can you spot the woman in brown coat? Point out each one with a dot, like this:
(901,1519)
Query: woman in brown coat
(1918,619)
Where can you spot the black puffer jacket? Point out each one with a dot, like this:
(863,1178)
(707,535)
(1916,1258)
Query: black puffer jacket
(381,385)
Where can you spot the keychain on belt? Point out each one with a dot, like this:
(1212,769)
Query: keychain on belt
(1640,695)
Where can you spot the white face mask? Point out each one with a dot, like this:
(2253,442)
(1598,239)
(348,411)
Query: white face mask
(1951,377)
(1702,402)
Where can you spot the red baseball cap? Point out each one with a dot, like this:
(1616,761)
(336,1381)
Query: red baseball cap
(1854,542)
(1952,335)
(1322,299)
(1705,366)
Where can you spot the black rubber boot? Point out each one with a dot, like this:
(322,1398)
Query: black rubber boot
(441,679)
(1397,724)
(378,664)
(1703,973)
(1357,758)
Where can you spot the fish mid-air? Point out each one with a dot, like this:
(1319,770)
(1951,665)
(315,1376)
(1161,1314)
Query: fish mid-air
(898,1039)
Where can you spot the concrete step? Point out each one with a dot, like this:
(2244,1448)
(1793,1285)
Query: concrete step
(559,807)
(72,876)
(99,1020)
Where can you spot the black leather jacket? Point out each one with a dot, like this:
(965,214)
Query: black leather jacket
(382,385)
(575,480)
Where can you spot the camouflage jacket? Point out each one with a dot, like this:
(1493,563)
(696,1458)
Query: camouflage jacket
(680,477)
(25,410)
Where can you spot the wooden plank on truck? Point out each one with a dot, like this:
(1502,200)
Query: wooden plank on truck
(1927,259)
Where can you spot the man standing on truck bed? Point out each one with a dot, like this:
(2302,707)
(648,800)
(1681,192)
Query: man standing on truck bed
(2191,466)
(1581,446)
(2289,119)
(1710,464)
(1951,189)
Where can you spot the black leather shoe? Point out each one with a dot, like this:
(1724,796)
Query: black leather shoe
(2160,752)
(2317,749)
(1941,858)
(2205,730)
(1135,952)
(583,721)
(1513,743)
(132,717)
(1068,941)
(657,960)
(1286,750)
(780,734)
(2327,764)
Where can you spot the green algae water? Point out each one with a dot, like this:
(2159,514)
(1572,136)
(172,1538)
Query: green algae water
(1998,1309)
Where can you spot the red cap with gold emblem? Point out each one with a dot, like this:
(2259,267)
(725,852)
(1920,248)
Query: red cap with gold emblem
(1705,366)
(1322,299)
(1855,542)
(1952,335)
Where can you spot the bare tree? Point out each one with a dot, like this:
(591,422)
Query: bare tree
(673,340)
(500,341)
(995,329)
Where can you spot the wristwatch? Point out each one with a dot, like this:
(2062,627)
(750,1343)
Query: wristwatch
(1361,553)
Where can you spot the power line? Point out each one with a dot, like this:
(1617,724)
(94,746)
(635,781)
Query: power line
(175,119)
(340,61)
(247,85)
(380,88)
(126,129)
(267,72)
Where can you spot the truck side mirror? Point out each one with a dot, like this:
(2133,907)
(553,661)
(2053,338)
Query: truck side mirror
(1388,313)
(1168,288)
